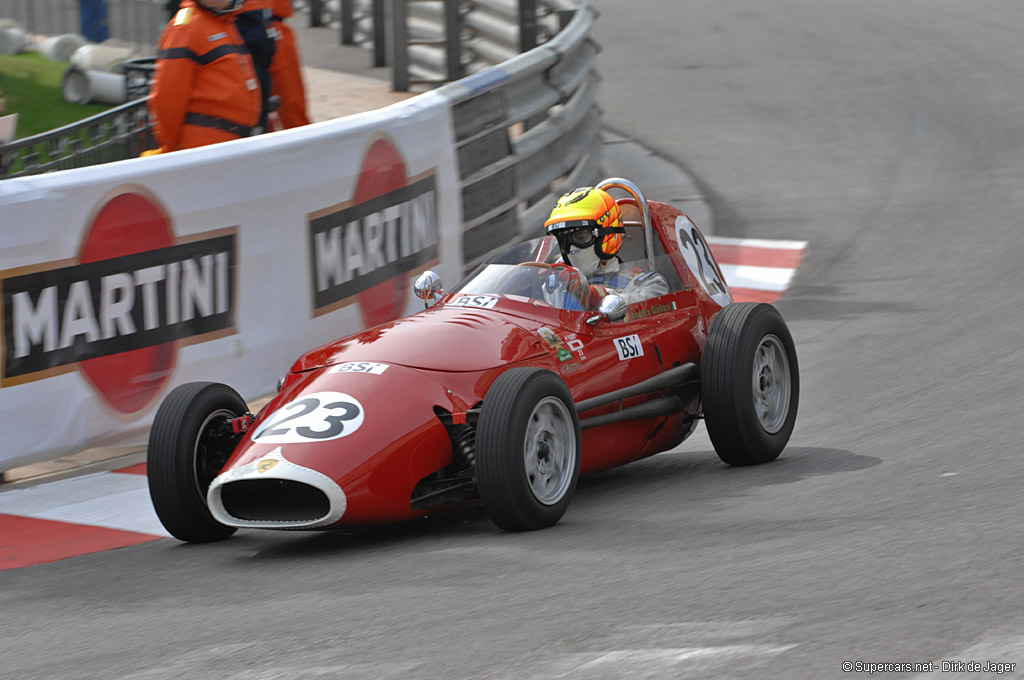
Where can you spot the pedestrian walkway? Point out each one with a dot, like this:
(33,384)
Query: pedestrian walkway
(340,79)
(330,94)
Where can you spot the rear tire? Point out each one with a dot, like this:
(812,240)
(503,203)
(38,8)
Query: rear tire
(750,383)
(527,449)
(188,446)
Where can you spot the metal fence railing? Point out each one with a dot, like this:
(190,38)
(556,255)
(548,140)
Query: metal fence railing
(138,74)
(114,135)
(431,42)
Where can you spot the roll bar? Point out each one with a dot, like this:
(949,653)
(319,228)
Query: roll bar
(645,212)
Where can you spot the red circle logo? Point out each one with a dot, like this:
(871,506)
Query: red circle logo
(383,171)
(127,224)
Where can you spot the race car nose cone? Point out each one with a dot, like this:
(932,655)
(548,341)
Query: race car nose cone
(271,492)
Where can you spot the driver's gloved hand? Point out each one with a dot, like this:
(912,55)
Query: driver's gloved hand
(570,277)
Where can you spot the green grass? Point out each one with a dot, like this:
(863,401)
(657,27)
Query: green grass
(31,84)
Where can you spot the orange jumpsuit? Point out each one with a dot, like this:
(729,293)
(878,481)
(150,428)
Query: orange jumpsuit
(286,71)
(205,89)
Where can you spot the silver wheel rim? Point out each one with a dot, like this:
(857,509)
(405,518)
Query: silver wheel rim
(550,451)
(219,413)
(771,384)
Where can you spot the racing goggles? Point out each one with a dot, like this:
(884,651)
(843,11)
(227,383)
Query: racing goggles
(581,233)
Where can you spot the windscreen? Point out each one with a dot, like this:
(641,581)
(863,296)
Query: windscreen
(524,270)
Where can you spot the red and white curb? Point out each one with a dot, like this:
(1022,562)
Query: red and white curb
(757,270)
(77,516)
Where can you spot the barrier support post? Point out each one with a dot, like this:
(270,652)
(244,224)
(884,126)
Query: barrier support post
(348,28)
(527,25)
(379,55)
(399,46)
(453,39)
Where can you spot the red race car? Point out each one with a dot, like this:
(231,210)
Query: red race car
(501,393)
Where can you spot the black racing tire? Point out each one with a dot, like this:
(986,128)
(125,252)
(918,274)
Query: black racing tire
(188,446)
(527,449)
(750,383)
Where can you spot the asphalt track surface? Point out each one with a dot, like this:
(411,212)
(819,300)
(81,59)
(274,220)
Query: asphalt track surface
(888,136)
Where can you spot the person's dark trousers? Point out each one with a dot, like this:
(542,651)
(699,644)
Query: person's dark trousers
(93,14)
(253,26)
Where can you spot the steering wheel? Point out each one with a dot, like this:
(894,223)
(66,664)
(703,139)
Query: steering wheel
(543,265)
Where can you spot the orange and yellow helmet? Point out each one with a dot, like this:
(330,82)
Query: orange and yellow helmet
(587,216)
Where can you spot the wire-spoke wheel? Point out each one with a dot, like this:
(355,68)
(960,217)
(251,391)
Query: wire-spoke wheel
(528,449)
(750,383)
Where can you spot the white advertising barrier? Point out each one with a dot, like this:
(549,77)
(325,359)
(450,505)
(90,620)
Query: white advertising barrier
(223,263)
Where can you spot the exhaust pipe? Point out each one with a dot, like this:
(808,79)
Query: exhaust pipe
(673,377)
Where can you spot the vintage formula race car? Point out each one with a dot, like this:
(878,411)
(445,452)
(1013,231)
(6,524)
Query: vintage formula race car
(501,393)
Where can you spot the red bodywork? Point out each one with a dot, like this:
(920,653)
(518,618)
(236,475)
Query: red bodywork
(448,356)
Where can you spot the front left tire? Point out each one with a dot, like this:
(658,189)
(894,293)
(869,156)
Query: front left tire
(527,449)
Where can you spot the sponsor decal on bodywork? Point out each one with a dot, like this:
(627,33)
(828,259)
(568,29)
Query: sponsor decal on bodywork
(629,347)
(555,342)
(575,345)
(360,367)
(118,310)
(481,301)
(645,312)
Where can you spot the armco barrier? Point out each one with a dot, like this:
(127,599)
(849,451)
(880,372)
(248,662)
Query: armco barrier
(525,132)
(224,263)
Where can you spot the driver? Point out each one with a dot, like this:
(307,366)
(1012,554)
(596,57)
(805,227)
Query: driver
(587,224)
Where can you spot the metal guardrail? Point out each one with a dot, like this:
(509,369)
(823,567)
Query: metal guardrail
(526,132)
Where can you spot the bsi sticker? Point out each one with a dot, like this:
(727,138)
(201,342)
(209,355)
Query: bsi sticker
(360,367)
(481,301)
(629,347)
